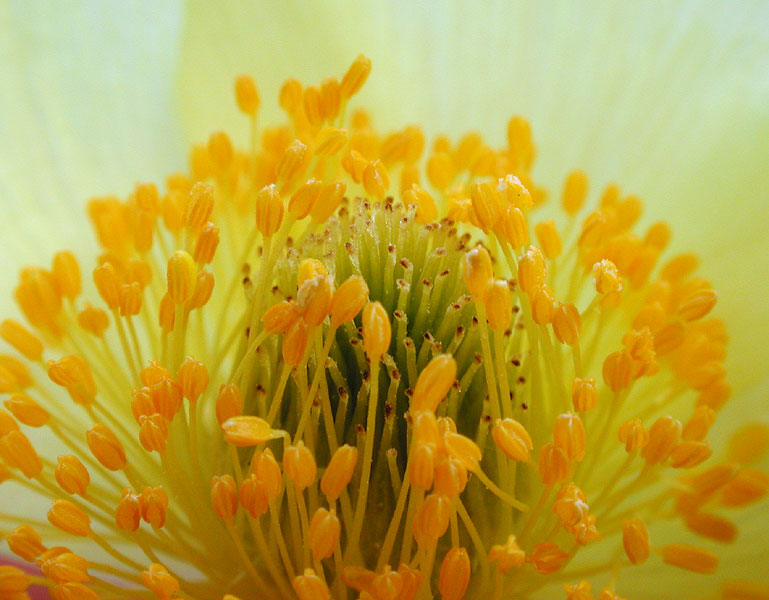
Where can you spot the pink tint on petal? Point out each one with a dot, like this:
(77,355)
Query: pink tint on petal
(35,592)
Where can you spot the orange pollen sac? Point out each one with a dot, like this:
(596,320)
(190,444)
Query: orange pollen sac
(269,210)
(253,496)
(229,402)
(635,539)
(477,271)
(507,555)
(71,475)
(422,466)
(450,478)
(200,206)
(160,581)
(26,410)
(105,447)
(663,438)
(432,520)
(581,591)
(314,300)
(427,211)
(512,438)
(295,344)
(584,395)
(181,276)
(247,430)
(13,582)
(498,303)
(280,317)
(206,244)
(293,162)
(690,558)
(355,77)
(339,472)
(348,300)
(567,324)
(376,181)
(153,432)
(606,277)
(128,511)
(25,543)
(455,574)
(69,518)
(377,332)
(434,383)
(267,470)
(310,587)
(247,95)
(633,435)
(574,192)
(299,465)
(154,504)
(690,453)
(17,451)
(569,435)
(193,378)
(21,339)
(224,496)
(547,558)
(304,198)
(553,464)
(548,238)
(323,537)
(65,567)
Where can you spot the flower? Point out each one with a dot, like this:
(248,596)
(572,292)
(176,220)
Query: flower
(497,201)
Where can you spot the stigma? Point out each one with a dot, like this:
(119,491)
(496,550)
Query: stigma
(340,363)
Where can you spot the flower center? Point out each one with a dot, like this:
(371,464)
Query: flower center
(358,394)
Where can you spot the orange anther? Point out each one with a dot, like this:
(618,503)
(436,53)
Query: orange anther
(295,344)
(73,373)
(635,539)
(580,591)
(514,227)
(617,370)
(299,466)
(93,320)
(330,140)
(711,526)
(434,383)
(512,438)
(663,438)
(247,430)
(547,558)
(699,424)
(293,163)
(553,464)
(542,306)
(167,397)
(477,271)
(206,244)
(463,449)
(220,150)
(193,378)
(375,179)
(329,198)
(181,277)
(454,575)
(422,465)
(376,331)
(314,300)
(486,204)
(199,207)
(339,472)
(229,402)
(130,299)
(153,432)
(355,163)
(246,95)
(204,287)
(427,211)
(697,305)
(450,477)
(160,581)
(107,284)
(66,274)
(71,475)
(747,486)
(17,451)
(583,394)
(154,504)
(567,324)
(348,300)
(269,210)
(440,170)
(280,317)
(432,520)
(253,496)
(498,302)
(13,583)
(308,269)
(69,518)
(548,238)
(520,142)
(267,469)
(633,435)
(105,447)
(73,590)
(690,558)
(531,270)
(678,267)
(570,505)
(290,97)
(65,567)
(128,512)
(310,587)
(355,77)
(21,339)
(606,277)
(569,436)
(507,555)
(323,537)
(425,428)
(7,423)
(304,198)
(313,105)
(224,496)
(27,410)
(574,192)
(25,543)
(514,192)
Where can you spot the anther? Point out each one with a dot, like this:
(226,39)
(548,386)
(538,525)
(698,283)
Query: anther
(313,300)
(663,438)
(105,447)
(181,277)
(229,402)
(699,424)
(299,466)
(507,555)
(128,511)
(224,496)
(547,558)
(267,470)
(290,96)
(512,438)
(323,537)
(199,207)
(531,271)
(454,575)
(617,370)
(697,305)
(422,465)
(21,339)
(606,277)
(633,435)
(553,464)
(635,539)
(280,317)
(269,210)
(65,567)
(498,302)
(542,306)
(167,397)
(153,432)
(567,324)
(427,211)
(580,591)
(246,95)
(25,543)
(329,197)
(574,192)
(295,344)
(690,558)
(193,378)
(160,581)
(69,518)
(339,472)
(583,394)
(330,140)
(27,410)
(434,383)
(376,331)
(154,505)
(248,430)
(310,587)
(548,238)
(293,162)
(107,284)
(304,198)
(71,475)
(569,436)
(375,179)
(253,496)
(348,300)
(746,487)
(17,451)
(432,520)
(13,582)
(355,77)
(689,454)
(477,272)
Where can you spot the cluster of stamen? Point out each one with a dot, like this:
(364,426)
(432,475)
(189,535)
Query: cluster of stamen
(296,385)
